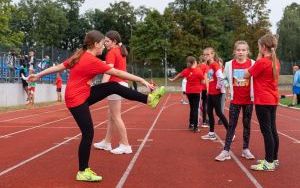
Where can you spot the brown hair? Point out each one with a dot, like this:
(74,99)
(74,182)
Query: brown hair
(89,42)
(115,36)
(212,50)
(191,60)
(270,41)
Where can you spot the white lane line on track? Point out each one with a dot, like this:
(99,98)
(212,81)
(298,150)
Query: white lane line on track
(24,130)
(28,109)
(242,167)
(285,135)
(54,147)
(136,155)
(32,115)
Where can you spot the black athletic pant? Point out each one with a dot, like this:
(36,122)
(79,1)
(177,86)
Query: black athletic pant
(204,105)
(266,115)
(234,112)
(214,102)
(194,99)
(83,117)
(298,98)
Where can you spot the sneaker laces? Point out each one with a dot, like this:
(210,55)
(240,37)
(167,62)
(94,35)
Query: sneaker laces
(90,171)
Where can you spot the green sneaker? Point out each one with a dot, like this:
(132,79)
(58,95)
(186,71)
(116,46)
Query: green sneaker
(87,175)
(155,96)
(263,166)
(276,162)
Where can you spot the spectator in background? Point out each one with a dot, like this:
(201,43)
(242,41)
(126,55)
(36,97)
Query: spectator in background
(31,59)
(296,86)
(45,63)
(23,74)
(58,83)
(11,63)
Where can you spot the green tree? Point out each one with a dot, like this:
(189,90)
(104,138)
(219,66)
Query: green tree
(289,39)
(50,24)
(9,38)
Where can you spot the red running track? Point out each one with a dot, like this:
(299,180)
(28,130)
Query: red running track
(39,149)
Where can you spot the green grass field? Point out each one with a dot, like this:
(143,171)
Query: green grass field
(19,107)
(287,101)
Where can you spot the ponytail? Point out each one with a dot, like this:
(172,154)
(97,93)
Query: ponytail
(274,61)
(76,56)
(124,51)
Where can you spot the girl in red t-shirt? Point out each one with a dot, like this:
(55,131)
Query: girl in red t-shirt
(204,67)
(58,83)
(215,85)
(79,95)
(241,96)
(265,74)
(194,77)
(115,57)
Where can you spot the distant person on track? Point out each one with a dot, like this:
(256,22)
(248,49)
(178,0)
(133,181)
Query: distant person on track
(58,83)
(194,77)
(84,66)
(116,58)
(296,86)
(216,87)
(183,94)
(241,97)
(265,73)
(31,89)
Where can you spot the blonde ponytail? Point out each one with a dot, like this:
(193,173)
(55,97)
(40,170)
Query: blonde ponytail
(274,62)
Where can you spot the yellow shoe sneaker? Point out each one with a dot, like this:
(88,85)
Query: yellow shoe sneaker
(263,166)
(155,96)
(87,175)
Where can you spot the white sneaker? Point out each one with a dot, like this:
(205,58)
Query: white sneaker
(224,155)
(209,136)
(204,125)
(103,145)
(122,149)
(247,154)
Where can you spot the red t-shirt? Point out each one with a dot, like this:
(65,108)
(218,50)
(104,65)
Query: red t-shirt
(212,78)
(265,86)
(115,58)
(204,67)
(78,89)
(241,86)
(193,76)
(58,82)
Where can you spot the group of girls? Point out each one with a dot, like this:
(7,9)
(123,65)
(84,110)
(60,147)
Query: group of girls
(248,82)
(79,95)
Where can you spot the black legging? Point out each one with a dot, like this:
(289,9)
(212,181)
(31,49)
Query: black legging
(266,115)
(84,120)
(214,102)
(194,99)
(234,111)
(204,105)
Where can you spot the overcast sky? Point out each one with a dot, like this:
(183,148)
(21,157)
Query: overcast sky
(276,6)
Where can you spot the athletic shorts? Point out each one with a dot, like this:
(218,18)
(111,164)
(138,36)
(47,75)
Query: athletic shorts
(24,83)
(31,89)
(115,96)
(58,89)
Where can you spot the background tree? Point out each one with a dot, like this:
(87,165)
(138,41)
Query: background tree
(9,38)
(289,38)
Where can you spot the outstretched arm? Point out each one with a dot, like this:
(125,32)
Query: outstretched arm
(175,78)
(57,68)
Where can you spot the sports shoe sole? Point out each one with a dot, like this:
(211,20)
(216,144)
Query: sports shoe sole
(221,160)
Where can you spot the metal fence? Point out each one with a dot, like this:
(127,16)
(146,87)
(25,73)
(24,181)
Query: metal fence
(11,73)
